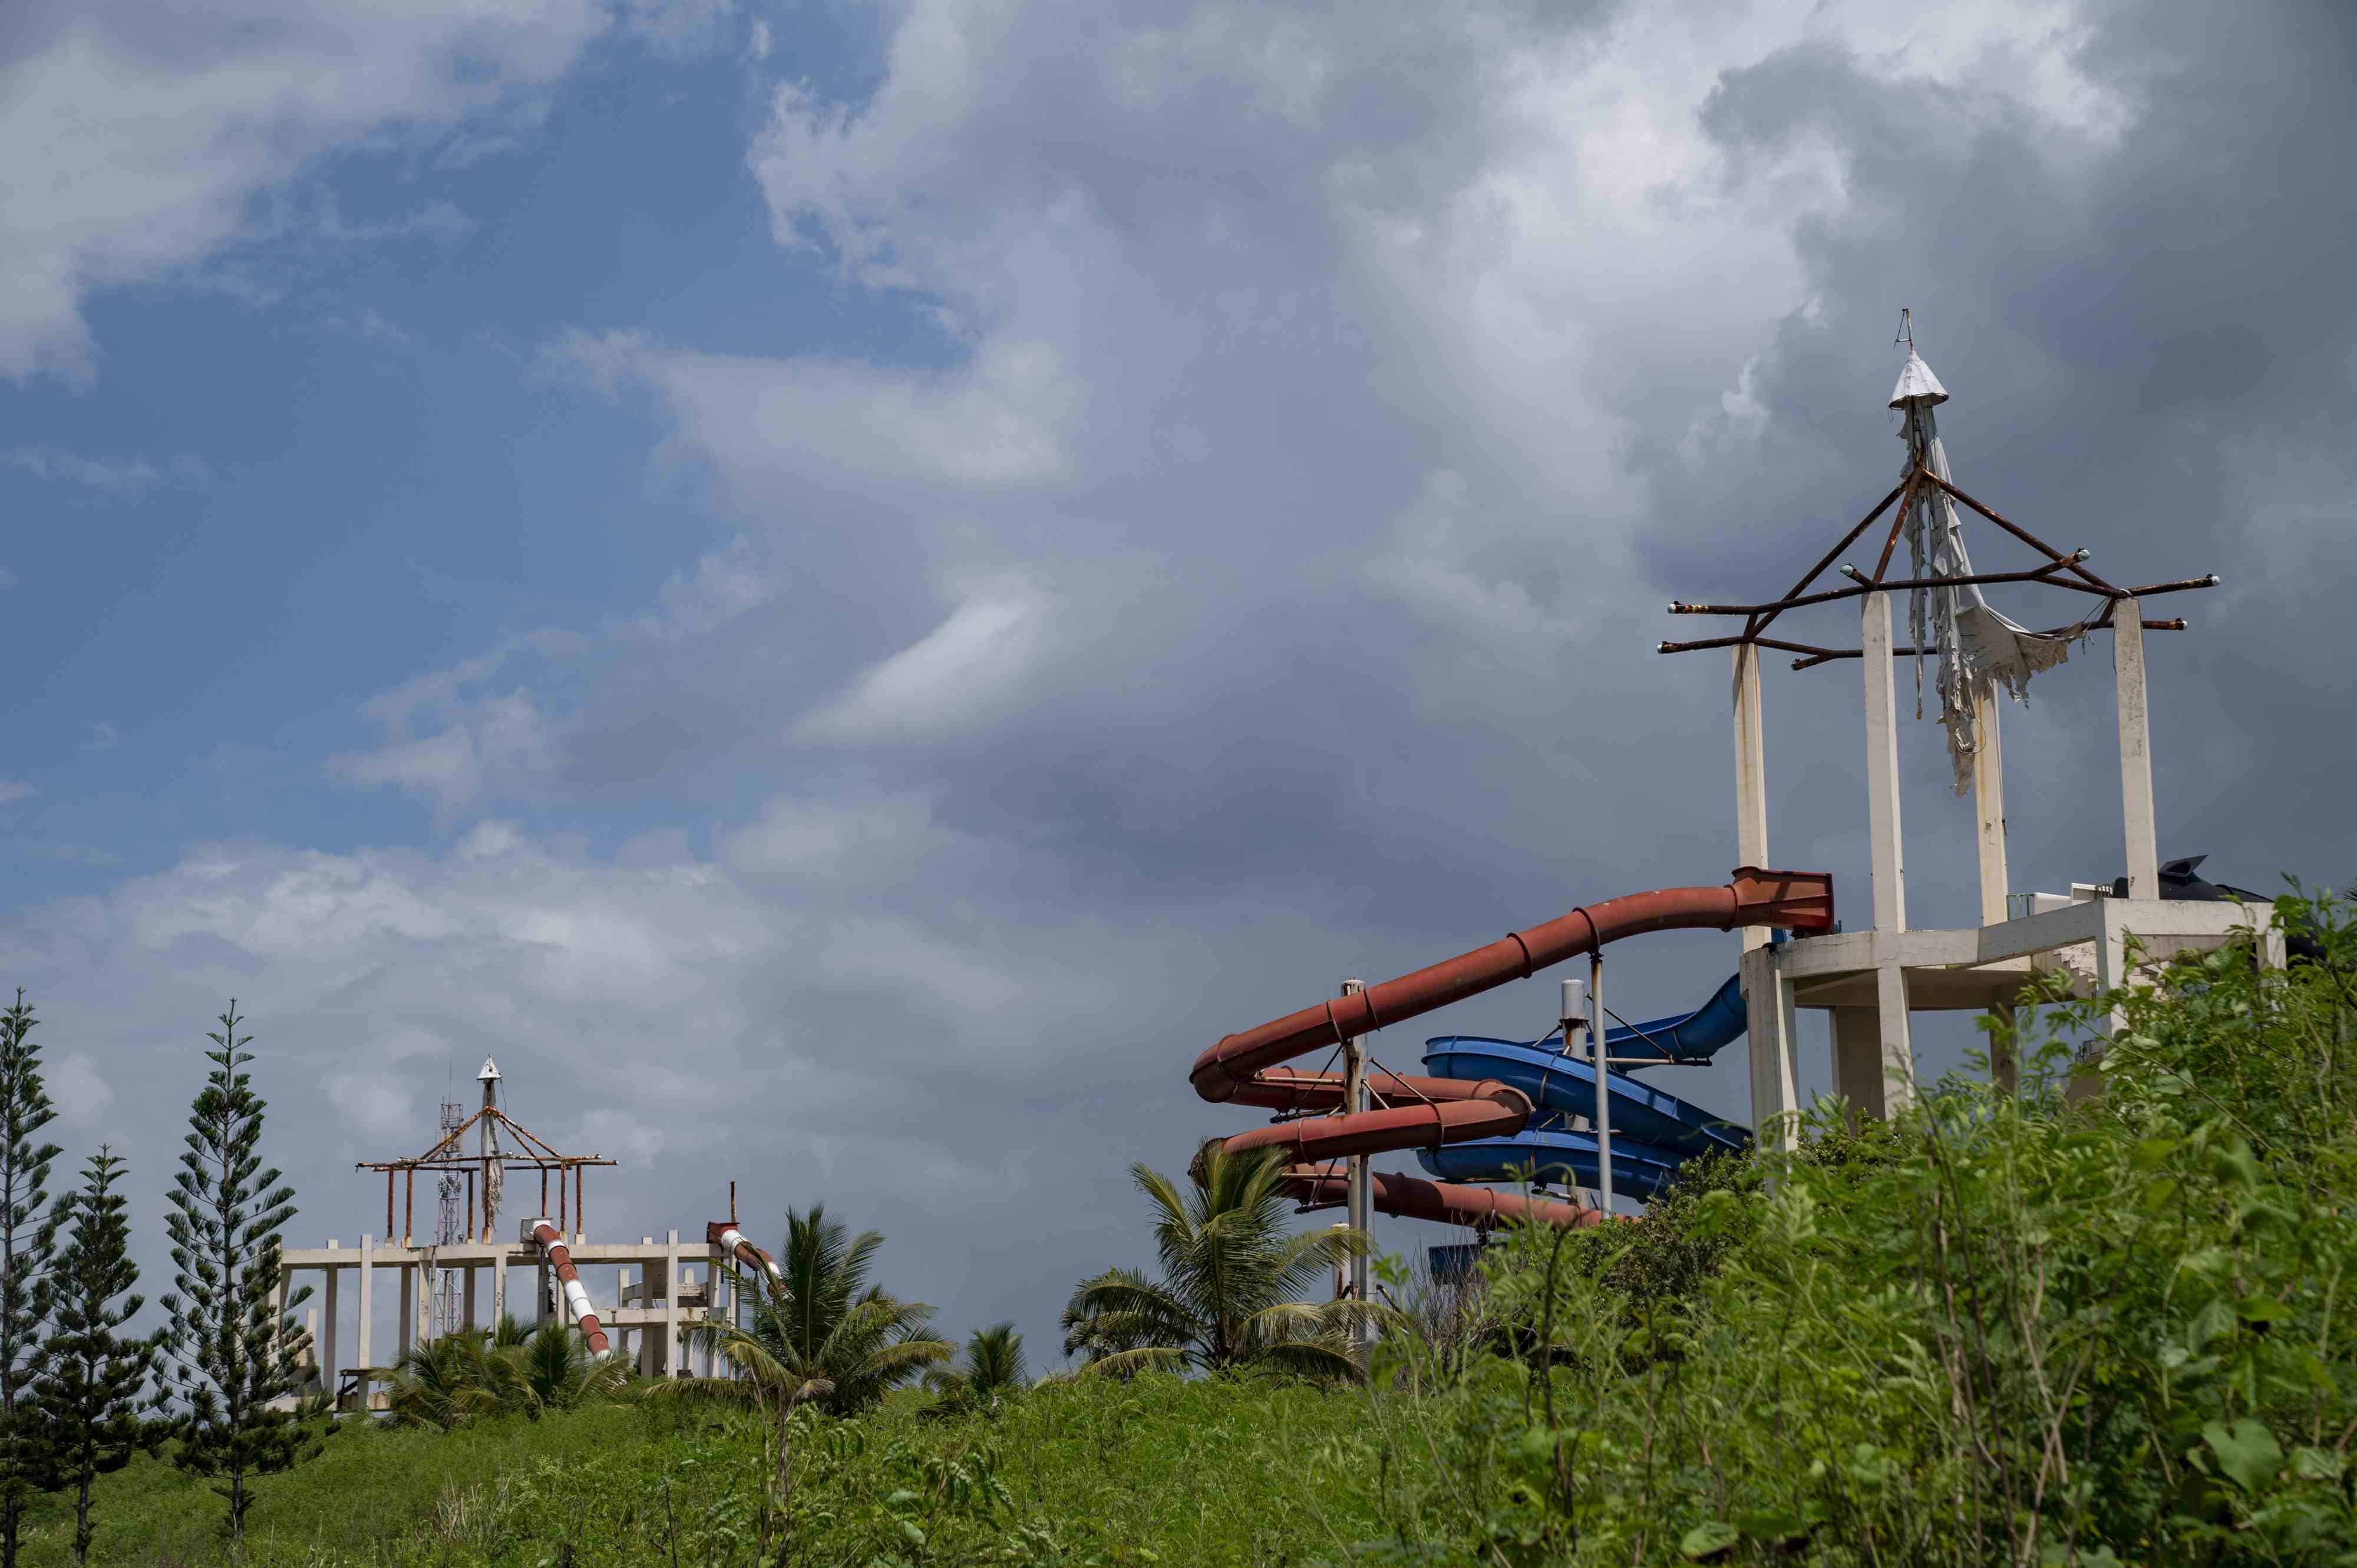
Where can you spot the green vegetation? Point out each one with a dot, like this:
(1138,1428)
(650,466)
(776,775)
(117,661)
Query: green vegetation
(1233,1271)
(233,1350)
(2003,1329)
(28,1243)
(91,1395)
(2000,1330)
(467,1376)
(991,1369)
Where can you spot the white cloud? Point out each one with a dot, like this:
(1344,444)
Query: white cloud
(380,1106)
(485,737)
(14,790)
(78,1089)
(113,478)
(137,141)
(619,1136)
(958,676)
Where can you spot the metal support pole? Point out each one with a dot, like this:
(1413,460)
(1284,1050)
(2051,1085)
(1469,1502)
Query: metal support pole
(1361,1177)
(1603,1076)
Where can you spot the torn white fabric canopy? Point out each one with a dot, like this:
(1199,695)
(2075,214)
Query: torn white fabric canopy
(1979,648)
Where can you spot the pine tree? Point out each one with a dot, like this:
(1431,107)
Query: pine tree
(233,1349)
(92,1389)
(27,1240)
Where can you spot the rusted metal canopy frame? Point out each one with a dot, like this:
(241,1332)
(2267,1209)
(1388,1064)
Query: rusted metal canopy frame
(1758,617)
(533,1153)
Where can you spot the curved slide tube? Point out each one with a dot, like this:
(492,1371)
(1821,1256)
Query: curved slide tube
(724,1234)
(1683,1036)
(1437,1112)
(1567,1086)
(568,1279)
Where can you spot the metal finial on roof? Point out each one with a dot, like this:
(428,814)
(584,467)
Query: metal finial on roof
(490,1070)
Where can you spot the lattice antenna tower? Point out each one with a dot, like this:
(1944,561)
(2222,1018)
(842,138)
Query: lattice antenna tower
(451,1227)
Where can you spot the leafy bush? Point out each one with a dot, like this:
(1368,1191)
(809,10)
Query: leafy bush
(2000,1330)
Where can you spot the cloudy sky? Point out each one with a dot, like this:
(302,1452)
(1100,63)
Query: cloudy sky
(843,587)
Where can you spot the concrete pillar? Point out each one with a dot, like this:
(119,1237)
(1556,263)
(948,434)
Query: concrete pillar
(1857,1060)
(500,1285)
(1882,766)
(2005,1052)
(329,1365)
(1887,846)
(405,1321)
(1750,775)
(1988,803)
(365,1333)
(1770,1042)
(670,1352)
(466,1297)
(2136,750)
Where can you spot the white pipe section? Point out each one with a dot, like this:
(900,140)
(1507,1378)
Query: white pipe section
(577,1298)
(733,1241)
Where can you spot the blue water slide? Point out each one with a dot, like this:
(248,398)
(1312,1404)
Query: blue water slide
(1685,1036)
(1640,1113)
(1654,1131)
(1555,1154)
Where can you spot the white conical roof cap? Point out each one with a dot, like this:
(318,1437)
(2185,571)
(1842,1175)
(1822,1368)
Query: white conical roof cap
(490,1070)
(1916,380)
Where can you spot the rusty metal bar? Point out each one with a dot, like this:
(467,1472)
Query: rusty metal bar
(2021,533)
(2044,574)
(408,1207)
(1863,524)
(1906,502)
(2176,587)
(1927,652)
(388,1206)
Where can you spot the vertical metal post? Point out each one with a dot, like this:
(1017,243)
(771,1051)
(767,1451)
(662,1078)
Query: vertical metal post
(1362,1176)
(1597,1054)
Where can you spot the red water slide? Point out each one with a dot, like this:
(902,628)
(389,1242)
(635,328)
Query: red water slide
(1419,1112)
(724,1234)
(568,1280)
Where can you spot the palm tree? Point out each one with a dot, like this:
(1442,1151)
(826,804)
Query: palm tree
(448,1381)
(821,1334)
(558,1369)
(1232,1269)
(479,1372)
(993,1368)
